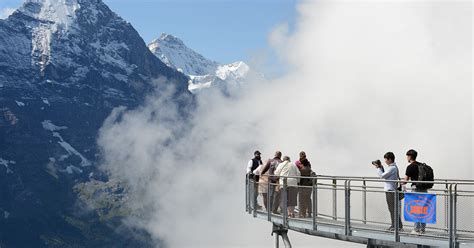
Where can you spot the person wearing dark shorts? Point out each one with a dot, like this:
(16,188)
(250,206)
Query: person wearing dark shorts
(289,172)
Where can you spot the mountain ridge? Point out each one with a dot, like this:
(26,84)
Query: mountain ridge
(64,66)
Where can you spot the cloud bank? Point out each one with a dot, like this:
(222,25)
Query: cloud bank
(364,78)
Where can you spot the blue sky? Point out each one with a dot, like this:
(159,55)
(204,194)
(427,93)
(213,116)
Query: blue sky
(222,30)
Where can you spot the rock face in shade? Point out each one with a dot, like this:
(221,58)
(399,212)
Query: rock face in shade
(202,72)
(64,65)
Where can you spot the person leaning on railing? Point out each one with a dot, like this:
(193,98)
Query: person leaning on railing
(304,192)
(265,171)
(390,187)
(287,170)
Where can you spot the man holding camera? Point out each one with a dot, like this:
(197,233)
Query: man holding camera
(390,187)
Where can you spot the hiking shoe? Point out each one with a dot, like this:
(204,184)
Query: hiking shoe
(390,229)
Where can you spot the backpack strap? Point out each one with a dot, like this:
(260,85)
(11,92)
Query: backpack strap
(398,176)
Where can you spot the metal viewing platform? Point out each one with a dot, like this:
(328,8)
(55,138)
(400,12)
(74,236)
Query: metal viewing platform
(354,209)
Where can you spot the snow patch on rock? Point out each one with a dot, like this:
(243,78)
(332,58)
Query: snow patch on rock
(45,101)
(7,164)
(48,125)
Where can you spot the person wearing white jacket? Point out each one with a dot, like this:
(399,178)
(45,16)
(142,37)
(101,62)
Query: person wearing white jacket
(391,174)
(288,169)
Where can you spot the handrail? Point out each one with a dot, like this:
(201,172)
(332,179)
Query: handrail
(376,179)
(450,191)
(373,177)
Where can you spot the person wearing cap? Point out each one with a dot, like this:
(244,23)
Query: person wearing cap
(254,162)
(252,166)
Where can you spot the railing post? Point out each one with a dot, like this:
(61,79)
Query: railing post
(334,199)
(269,199)
(315,203)
(451,224)
(284,205)
(455,214)
(446,207)
(364,201)
(347,190)
(277,240)
(396,205)
(247,202)
(254,197)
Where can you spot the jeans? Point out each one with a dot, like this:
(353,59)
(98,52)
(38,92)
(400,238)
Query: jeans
(419,226)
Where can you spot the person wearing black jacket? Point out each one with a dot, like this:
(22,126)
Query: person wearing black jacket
(252,165)
(305,189)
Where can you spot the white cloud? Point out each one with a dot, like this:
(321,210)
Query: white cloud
(5,12)
(367,77)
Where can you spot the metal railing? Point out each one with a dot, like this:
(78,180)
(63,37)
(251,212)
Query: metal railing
(354,205)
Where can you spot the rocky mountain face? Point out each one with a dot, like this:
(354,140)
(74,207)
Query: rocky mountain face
(64,65)
(202,72)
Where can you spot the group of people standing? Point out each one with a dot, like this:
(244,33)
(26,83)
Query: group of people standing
(271,175)
(392,174)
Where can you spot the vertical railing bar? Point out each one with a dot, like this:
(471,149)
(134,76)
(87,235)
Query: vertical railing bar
(364,201)
(455,214)
(277,240)
(451,216)
(247,209)
(396,205)
(446,205)
(254,197)
(284,198)
(347,207)
(334,199)
(315,203)
(269,212)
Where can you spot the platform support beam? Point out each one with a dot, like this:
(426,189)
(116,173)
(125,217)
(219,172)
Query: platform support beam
(279,230)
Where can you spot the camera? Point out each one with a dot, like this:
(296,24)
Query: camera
(377,163)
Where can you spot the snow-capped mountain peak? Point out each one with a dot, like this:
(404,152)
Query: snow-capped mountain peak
(174,53)
(236,70)
(61,12)
(53,19)
(203,72)
(171,39)
(65,66)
